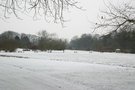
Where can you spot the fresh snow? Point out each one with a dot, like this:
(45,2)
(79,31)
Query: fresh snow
(67,71)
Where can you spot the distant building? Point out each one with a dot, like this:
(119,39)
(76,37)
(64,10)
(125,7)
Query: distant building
(117,50)
(19,50)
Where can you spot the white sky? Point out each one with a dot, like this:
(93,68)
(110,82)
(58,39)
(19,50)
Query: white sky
(79,21)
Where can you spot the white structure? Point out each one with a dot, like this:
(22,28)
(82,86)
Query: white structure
(117,50)
(19,50)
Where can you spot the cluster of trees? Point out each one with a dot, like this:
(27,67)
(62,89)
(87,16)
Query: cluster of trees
(50,42)
(123,39)
(10,41)
(85,42)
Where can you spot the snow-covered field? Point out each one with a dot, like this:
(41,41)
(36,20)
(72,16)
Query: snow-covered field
(67,71)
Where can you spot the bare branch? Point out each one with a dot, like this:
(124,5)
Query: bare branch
(116,17)
(48,8)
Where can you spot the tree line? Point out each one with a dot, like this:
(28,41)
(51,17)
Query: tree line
(123,39)
(10,41)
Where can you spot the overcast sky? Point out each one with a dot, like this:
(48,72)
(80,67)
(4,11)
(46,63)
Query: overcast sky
(78,21)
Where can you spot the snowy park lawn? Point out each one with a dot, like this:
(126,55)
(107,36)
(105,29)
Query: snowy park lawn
(67,71)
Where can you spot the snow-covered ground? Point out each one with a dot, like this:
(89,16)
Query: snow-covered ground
(67,71)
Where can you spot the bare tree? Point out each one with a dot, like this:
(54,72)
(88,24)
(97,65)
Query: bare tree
(48,8)
(117,17)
